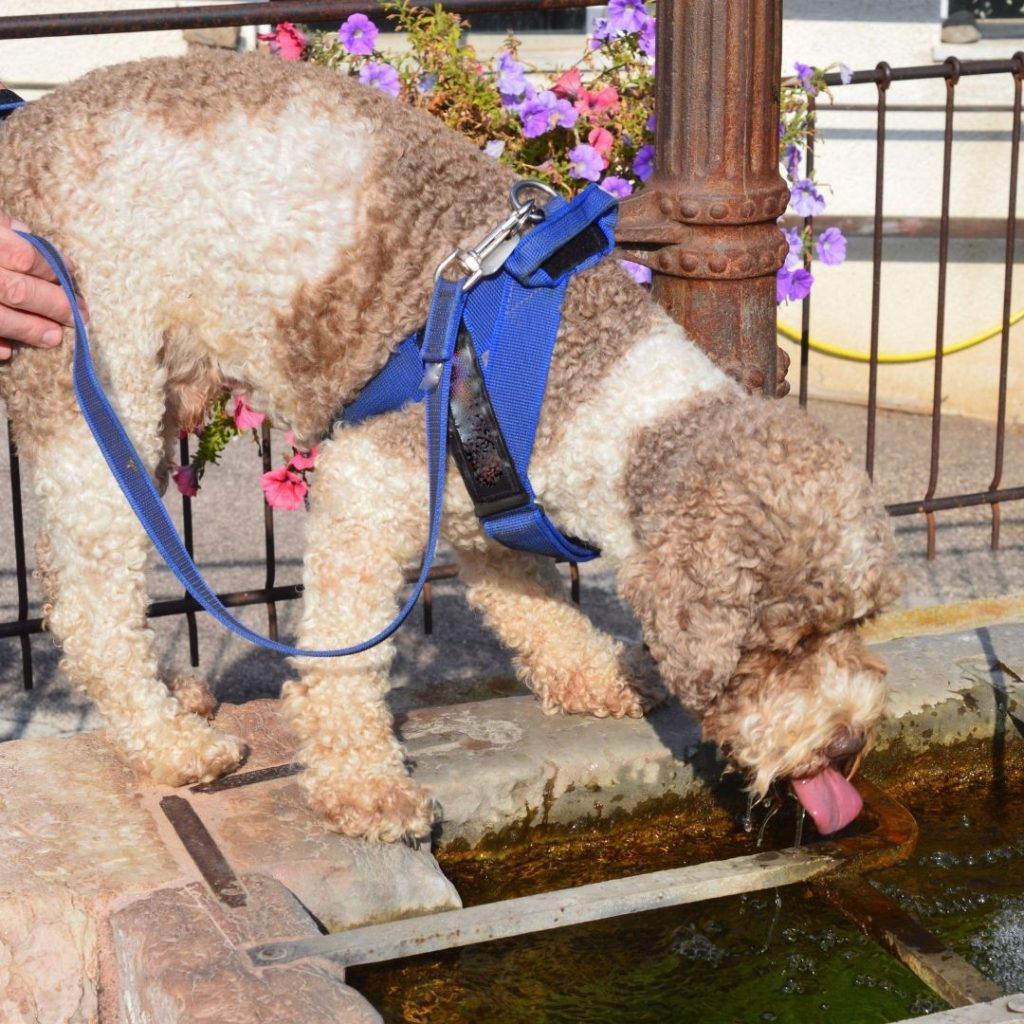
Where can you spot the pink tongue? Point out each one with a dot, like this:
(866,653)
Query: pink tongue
(829,799)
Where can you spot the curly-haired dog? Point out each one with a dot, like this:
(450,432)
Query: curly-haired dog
(276,227)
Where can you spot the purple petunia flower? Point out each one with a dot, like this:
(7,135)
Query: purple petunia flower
(643,162)
(831,247)
(358,34)
(494,148)
(651,123)
(806,75)
(545,112)
(382,76)
(792,285)
(585,162)
(805,199)
(795,256)
(601,33)
(646,41)
(618,187)
(639,273)
(845,74)
(627,15)
(793,160)
(511,75)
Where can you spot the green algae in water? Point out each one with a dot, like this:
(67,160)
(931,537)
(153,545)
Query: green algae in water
(728,961)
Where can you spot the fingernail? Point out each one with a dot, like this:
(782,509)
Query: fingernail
(52,337)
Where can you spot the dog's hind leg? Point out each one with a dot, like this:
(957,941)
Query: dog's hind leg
(92,561)
(570,664)
(367,522)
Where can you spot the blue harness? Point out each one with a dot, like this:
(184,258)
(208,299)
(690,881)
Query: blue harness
(502,317)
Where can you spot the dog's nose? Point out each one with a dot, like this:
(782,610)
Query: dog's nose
(846,744)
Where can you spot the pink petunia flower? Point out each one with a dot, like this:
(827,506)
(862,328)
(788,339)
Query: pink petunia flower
(286,41)
(604,102)
(283,489)
(186,481)
(245,416)
(568,85)
(301,460)
(602,140)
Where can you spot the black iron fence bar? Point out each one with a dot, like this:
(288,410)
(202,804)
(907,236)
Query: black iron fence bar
(19,557)
(1004,354)
(805,311)
(919,108)
(876,266)
(186,520)
(940,314)
(914,227)
(951,68)
(25,627)
(269,544)
(32,26)
(928,505)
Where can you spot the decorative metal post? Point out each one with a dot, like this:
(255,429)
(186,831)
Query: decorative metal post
(706,222)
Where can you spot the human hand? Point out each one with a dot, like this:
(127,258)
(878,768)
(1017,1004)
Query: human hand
(33,306)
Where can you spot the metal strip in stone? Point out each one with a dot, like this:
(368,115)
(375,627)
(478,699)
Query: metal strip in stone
(203,849)
(597,901)
(1005,1010)
(278,771)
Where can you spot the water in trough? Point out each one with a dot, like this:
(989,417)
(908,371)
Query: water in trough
(783,957)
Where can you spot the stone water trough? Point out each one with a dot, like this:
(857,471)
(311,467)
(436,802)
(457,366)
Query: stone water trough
(123,902)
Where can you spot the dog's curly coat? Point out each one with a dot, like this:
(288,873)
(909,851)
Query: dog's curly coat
(275,227)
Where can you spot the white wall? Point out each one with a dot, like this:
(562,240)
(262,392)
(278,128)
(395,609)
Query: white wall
(906,33)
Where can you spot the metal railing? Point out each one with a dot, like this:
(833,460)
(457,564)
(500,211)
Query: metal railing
(943,228)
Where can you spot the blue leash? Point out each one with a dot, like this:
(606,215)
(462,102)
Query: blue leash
(529,290)
(129,469)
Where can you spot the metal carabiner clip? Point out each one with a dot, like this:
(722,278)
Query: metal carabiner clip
(489,254)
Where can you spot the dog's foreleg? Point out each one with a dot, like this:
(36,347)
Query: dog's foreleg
(571,665)
(368,520)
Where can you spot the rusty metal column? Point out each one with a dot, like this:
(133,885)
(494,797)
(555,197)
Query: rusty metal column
(705,223)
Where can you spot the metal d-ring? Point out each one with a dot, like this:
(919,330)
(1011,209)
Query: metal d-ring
(520,206)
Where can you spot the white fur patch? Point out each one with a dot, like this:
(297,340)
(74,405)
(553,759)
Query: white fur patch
(580,482)
(189,203)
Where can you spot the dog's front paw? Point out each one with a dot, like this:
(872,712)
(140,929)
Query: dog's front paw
(188,750)
(388,808)
(622,690)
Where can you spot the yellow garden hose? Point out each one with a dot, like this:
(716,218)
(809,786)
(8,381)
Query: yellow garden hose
(909,357)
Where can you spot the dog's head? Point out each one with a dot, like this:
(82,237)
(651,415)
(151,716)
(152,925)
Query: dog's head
(760,550)
(807,716)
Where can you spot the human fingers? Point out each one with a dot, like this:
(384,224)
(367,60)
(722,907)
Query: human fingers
(19,255)
(20,328)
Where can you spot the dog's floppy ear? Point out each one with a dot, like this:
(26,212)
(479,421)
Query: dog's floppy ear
(694,603)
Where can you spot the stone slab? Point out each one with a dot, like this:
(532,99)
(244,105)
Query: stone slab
(181,959)
(81,834)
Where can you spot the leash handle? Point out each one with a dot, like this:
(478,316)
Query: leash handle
(129,470)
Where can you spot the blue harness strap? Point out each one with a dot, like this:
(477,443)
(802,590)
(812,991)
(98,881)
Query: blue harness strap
(512,318)
(508,306)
